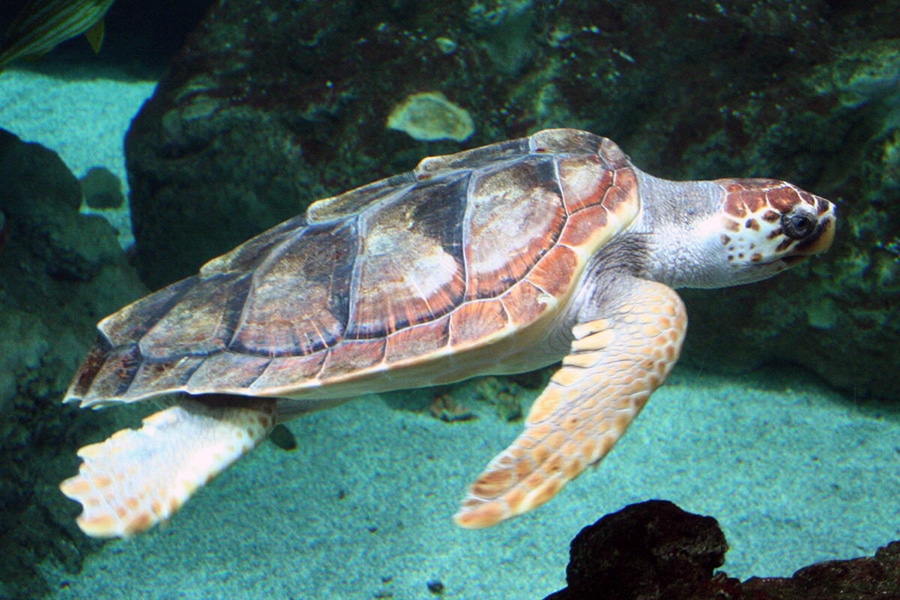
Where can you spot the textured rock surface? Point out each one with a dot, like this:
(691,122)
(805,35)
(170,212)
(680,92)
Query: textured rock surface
(865,578)
(656,551)
(266,110)
(60,272)
(648,550)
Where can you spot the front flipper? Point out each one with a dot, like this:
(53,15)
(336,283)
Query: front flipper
(139,477)
(615,363)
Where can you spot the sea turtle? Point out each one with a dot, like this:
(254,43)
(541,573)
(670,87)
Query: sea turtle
(496,260)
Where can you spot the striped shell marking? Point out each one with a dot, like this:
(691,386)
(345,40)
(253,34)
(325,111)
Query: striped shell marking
(420,278)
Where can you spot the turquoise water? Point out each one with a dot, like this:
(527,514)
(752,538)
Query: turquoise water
(794,472)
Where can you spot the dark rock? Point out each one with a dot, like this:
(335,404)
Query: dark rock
(649,550)
(60,272)
(656,551)
(39,197)
(267,110)
(33,174)
(102,189)
(857,579)
(435,586)
(282,437)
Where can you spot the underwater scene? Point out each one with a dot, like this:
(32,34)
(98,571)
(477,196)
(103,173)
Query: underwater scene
(603,300)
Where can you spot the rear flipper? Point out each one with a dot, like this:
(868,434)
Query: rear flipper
(137,478)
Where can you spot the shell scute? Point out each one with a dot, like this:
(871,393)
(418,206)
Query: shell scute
(476,321)
(353,356)
(202,321)
(583,227)
(622,196)
(169,375)
(229,371)
(521,205)
(357,200)
(132,322)
(474,159)
(525,303)
(585,179)
(248,255)
(298,302)
(410,261)
(545,274)
(417,341)
(565,141)
(286,372)
(114,375)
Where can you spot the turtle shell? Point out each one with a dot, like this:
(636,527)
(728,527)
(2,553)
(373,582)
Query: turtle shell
(455,269)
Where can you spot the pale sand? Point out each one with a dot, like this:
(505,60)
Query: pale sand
(793,473)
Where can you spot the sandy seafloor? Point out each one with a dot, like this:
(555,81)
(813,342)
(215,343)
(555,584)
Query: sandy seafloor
(794,472)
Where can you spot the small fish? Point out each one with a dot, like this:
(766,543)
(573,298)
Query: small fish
(43,24)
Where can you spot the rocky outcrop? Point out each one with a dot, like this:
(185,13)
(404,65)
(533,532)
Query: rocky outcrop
(857,579)
(60,272)
(648,550)
(264,111)
(656,551)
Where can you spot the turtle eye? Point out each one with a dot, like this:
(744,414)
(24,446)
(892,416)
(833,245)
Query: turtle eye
(798,225)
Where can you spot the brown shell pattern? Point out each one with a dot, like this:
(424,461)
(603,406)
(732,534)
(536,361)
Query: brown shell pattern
(464,250)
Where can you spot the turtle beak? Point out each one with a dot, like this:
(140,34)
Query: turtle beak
(820,241)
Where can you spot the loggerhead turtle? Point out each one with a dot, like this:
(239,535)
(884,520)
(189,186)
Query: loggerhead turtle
(496,260)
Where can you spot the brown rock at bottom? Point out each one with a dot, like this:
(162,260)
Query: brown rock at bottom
(648,550)
(656,551)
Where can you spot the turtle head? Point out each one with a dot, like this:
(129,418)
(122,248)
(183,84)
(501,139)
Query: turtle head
(770,226)
(710,234)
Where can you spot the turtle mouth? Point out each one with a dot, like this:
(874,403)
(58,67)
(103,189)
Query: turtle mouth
(819,242)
